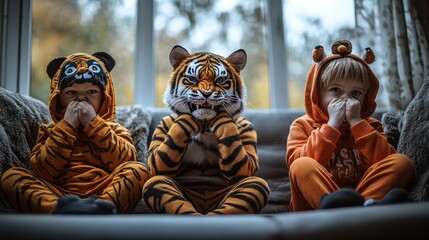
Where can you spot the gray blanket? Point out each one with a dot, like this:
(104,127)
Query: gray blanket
(20,118)
(410,130)
(136,119)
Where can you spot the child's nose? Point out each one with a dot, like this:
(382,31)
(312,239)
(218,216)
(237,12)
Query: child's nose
(346,96)
(81,97)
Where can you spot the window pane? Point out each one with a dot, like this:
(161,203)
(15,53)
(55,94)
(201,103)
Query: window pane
(63,27)
(219,27)
(309,24)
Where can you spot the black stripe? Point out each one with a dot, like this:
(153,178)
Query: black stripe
(187,133)
(172,145)
(228,141)
(166,159)
(187,123)
(222,123)
(229,159)
(234,169)
(156,138)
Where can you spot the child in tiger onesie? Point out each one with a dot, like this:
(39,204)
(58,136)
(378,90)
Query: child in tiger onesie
(84,161)
(338,155)
(203,156)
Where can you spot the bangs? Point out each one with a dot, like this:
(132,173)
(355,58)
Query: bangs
(344,69)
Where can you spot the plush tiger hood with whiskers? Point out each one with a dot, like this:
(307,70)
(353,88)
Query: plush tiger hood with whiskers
(204,84)
(81,68)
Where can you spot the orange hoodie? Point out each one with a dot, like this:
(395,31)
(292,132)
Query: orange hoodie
(81,161)
(346,152)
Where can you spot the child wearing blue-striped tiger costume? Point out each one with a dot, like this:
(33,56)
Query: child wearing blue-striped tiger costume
(84,162)
(203,156)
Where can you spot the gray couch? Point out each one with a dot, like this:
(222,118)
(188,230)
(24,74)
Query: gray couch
(401,221)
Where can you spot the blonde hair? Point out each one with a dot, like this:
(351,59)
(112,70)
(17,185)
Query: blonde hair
(342,69)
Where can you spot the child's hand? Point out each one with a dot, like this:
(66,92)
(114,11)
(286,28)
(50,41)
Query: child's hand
(337,112)
(353,109)
(71,114)
(86,113)
(222,117)
(189,119)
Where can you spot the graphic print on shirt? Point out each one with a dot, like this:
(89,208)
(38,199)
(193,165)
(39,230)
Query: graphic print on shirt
(346,164)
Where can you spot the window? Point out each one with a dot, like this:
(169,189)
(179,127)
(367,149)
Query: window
(308,24)
(278,37)
(220,27)
(61,28)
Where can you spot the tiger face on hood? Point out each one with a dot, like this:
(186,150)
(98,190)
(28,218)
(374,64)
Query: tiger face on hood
(205,84)
(82,68)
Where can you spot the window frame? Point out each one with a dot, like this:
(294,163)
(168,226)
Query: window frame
(15,65)
(15,61)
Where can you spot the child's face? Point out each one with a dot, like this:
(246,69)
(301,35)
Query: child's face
(342,89)
(82,92)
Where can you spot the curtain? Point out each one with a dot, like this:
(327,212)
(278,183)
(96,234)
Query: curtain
(397,30)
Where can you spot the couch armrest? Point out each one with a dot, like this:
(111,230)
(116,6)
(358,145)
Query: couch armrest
(24,226)
(401,221)
(398,221)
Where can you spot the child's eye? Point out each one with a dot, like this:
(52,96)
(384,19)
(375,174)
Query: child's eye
(71,92)
(357,93)
(92,91)
(335,89)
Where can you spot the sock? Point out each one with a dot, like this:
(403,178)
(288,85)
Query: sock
(72,204)
(344,197)
(370,202)
(396,195)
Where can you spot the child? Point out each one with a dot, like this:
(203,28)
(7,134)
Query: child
(203,156)
(84,162)
(337,154)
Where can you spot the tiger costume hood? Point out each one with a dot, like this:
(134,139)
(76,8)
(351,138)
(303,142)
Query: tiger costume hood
(81,68)
(340,49)
(204,84)
(204,150)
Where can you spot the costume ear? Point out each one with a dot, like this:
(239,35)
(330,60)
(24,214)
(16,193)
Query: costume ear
(368,55)
(318,53)
(343,47)
(54,65)
(106,58)
(238,59)
(177,55)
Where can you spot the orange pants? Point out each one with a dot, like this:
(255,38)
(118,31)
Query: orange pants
(309,180)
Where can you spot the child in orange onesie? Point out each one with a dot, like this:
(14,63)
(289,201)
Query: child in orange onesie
(84,161)
(338,155)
